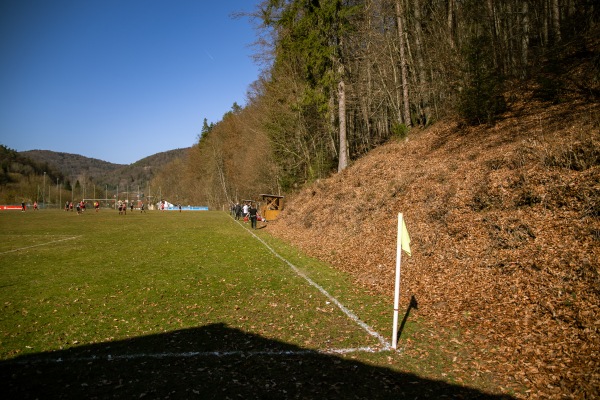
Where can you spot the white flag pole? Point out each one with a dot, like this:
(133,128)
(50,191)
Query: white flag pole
(397,285)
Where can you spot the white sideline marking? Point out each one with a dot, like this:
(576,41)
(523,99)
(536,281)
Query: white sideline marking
(350,314)
(41,244)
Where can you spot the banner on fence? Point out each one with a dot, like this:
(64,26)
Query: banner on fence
(10,207)
(187,208)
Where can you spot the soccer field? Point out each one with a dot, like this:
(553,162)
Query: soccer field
(69,280)
(187,305)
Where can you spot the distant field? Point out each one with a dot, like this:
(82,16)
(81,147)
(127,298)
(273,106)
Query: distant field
(91,301)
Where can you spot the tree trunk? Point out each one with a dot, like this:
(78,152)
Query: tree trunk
(332,127)
(556,20)
(424,109)
(451,22)
(344,153)
(403,64)
(545,29)
(511,50)
(366,100)
(524,38)
(494,27)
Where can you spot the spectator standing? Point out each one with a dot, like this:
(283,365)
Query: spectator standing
(252,211)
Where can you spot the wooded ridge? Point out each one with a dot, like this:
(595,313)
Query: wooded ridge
(341,78)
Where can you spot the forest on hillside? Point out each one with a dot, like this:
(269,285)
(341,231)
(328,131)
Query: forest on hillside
(341,77)
(50,177)
(23,179)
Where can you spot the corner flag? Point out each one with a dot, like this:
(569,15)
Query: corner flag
(405,239)
(402,245)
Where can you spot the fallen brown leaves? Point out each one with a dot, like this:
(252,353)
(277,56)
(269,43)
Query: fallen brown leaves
(505,229)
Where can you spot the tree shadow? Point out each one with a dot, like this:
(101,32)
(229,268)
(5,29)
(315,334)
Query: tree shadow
(210,362)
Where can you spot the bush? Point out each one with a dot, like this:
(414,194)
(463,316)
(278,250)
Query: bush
(399,131)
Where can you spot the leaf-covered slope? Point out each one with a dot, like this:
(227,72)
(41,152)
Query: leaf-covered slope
(505,229)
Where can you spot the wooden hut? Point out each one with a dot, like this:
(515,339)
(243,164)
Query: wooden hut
(272,205)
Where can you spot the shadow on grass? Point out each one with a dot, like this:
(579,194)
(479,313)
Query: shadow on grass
(210,362)
(413,304)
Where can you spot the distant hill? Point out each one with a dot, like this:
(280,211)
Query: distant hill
(15,165)
(71,165)
(76,167)
(140,172)
(49,176)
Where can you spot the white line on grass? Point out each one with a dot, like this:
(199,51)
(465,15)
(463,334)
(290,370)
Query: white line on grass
(386,345)
(41,244)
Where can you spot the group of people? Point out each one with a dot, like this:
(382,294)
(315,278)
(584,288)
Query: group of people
(164,205)
(248,212)
(123,207)
(80,207)
(24,206)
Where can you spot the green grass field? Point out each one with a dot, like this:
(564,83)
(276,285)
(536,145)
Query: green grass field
(179,305)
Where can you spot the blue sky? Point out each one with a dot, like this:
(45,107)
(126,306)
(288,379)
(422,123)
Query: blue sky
(120,80)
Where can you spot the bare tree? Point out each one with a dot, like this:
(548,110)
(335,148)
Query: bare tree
(403,63)
(556,20)
(524,37)
(344,152)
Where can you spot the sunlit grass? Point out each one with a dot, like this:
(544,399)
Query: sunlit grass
(68,280)
(135,283)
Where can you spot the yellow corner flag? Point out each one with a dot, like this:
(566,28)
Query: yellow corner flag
(405,240)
